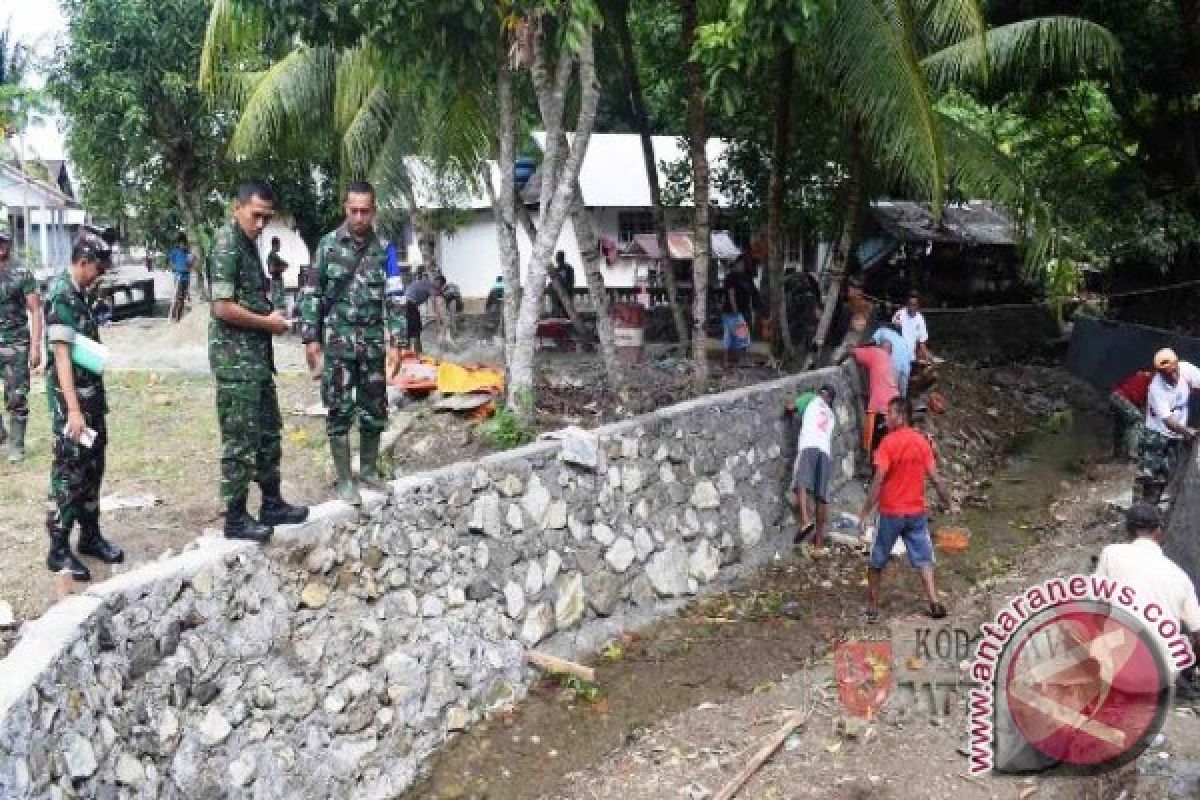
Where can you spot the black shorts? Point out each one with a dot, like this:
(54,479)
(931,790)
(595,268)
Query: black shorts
(812,473)
(412,315)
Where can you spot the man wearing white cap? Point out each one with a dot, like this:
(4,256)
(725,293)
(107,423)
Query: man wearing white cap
(1166,421)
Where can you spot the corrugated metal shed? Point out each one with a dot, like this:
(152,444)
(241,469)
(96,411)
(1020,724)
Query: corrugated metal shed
(968,223)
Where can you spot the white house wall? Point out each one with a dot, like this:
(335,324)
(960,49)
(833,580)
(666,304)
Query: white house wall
(292,249)
(470,256)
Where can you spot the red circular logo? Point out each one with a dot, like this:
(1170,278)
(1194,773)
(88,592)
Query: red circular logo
(1085,687)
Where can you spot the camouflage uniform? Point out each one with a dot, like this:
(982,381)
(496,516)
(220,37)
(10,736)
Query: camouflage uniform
(351,333)
(1157,457)
(77,471)
(243,364)
(16,286)
(276,266)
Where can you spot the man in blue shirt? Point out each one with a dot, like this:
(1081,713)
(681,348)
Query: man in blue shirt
(180,259)
(902,353)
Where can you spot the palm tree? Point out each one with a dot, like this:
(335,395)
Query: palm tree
(408,134)
(885,63)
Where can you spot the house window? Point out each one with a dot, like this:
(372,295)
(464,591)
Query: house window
(631,223)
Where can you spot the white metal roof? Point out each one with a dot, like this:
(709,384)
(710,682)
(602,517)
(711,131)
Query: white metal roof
(613,174)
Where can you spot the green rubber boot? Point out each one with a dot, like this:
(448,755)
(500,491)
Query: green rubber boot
(368,469)
(339,448)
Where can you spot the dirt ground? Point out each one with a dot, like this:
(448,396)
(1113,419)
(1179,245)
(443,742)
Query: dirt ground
(163,440)
(675,713)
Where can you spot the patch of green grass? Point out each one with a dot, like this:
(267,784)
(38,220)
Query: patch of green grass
(505,430)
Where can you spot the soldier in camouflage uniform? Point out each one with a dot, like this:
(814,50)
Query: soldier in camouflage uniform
(18,295)
(242,360)
(345,308)
(77,414)
(276,266)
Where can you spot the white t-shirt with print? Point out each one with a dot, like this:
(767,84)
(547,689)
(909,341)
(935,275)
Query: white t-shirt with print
(912,327)
(816,427)
(1164,401)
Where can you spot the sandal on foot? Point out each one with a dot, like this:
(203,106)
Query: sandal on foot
(937,611)
(804,532)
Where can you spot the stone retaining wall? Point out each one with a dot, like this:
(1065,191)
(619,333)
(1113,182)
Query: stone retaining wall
(331,663)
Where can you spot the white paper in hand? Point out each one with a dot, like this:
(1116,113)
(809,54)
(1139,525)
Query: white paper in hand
(87,438)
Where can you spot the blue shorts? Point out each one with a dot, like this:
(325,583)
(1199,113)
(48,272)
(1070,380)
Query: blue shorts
(729,325)
(914,530)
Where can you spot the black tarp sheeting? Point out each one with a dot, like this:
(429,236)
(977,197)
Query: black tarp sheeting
(1104,352)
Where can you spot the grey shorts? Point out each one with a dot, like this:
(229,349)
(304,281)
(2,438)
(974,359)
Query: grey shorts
(811,473)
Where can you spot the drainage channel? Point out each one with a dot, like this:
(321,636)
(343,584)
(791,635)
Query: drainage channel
(773,623)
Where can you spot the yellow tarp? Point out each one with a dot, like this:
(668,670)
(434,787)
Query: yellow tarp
(456,379)
(422,373)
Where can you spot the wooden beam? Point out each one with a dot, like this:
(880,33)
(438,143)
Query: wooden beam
(560,666)
(769,746)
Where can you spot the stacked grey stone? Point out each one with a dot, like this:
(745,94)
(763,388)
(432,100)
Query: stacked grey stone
(334,663)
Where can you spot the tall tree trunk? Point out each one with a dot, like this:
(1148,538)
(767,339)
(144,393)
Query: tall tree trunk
(555,201)
(785,62)
(191,222)
(588,241)
(633,83)
(504,203)
(845,248)
(569,306)
(701,227)
(589,251)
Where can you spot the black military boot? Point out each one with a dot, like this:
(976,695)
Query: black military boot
(93,544)
(276,510)
(60,558)
(240,525)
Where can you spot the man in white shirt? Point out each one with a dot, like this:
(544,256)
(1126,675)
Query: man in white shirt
(912,327)
(1166,422)
(1141,564)
(814,465)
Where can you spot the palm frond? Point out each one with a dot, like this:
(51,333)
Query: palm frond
(390,169)
(978,169)
(885,87)
(947,22)
(234,29)
(1045,47)
(368,133)
(358,76)
(292,96)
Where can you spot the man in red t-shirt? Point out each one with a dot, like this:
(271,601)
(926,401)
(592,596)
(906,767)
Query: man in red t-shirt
(881,389)
(1128,403)
(902,463)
